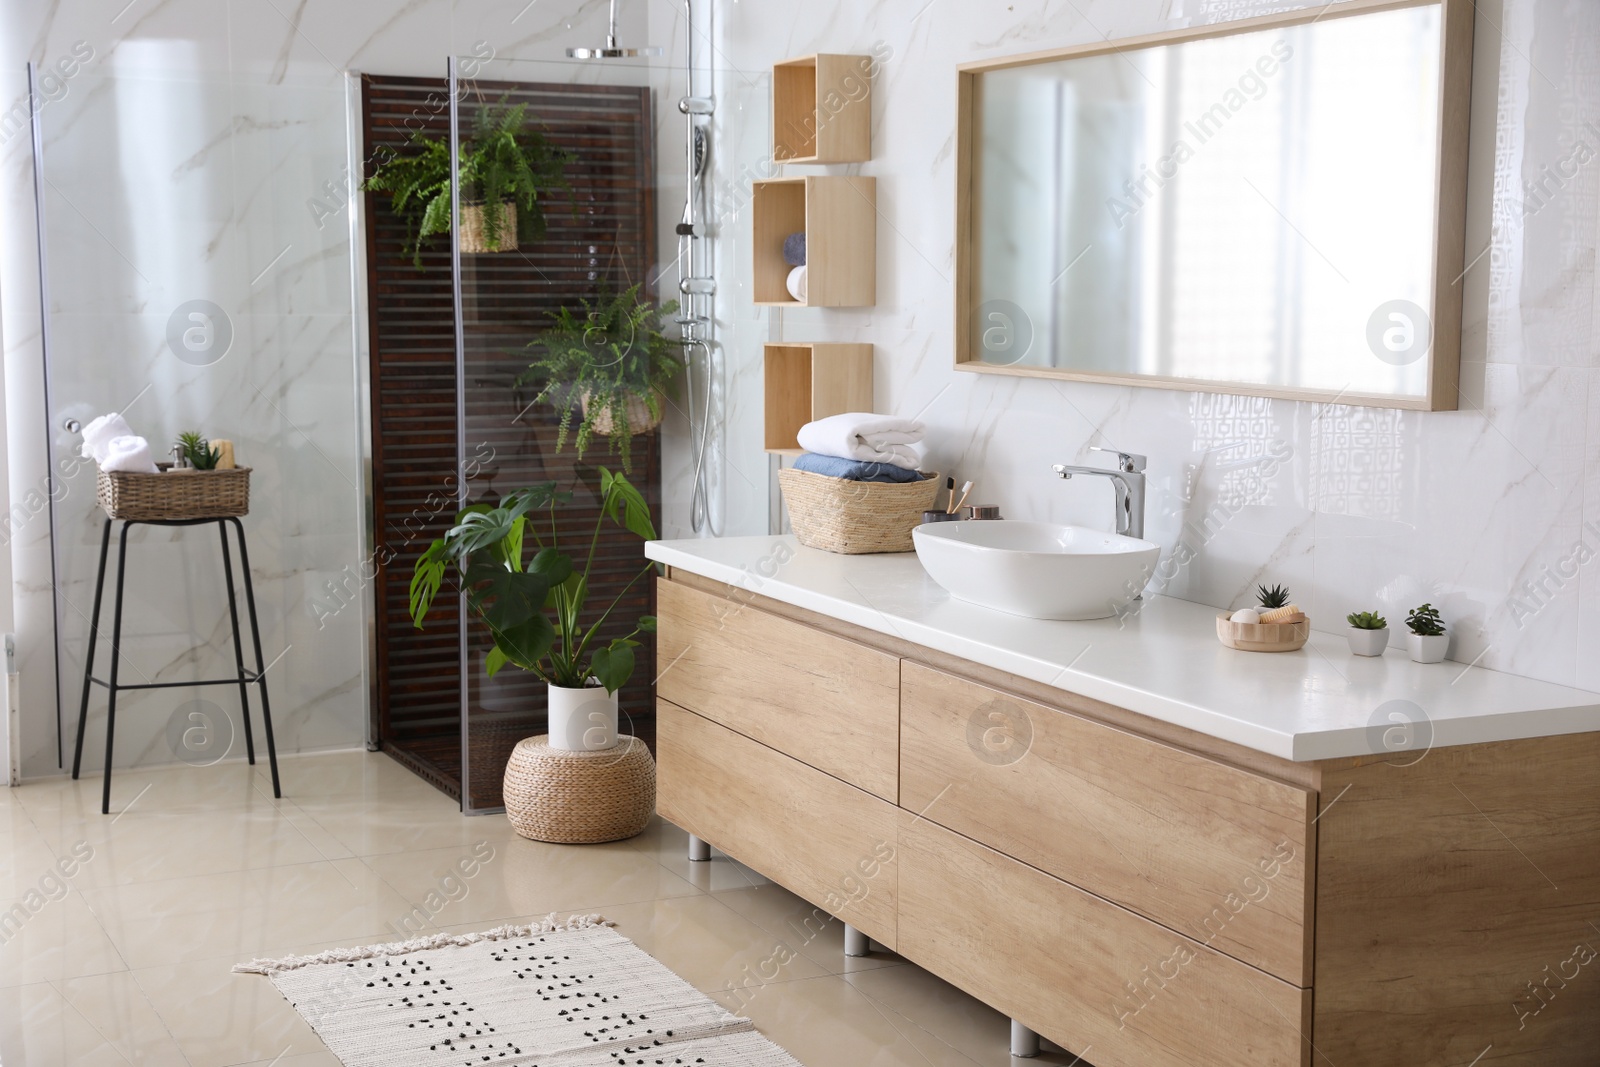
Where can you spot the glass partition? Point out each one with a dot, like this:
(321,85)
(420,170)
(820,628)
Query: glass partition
(196,242)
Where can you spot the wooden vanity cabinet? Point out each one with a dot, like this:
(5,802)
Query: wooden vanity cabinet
(1140,894)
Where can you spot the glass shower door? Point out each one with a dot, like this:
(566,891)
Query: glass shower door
(198,277)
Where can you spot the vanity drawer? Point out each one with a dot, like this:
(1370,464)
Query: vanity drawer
(1094,978)
(826,701)
(1210,850)
(814,835)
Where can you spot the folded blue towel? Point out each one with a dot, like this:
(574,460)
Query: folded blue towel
(854,470)
(794,249)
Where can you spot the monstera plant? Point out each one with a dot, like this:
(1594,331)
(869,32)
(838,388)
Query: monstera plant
(534,596)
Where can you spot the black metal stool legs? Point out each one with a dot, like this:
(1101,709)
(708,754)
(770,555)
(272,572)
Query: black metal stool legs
(261,666)
(116,657)
(94,633)
(243,676)
(238,647)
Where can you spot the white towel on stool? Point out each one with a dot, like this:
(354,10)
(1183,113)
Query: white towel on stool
(99,434)
(861,435)
(128,453)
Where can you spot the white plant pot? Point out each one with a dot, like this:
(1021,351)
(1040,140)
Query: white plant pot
(1367,642)
(582,720)
(1428,649)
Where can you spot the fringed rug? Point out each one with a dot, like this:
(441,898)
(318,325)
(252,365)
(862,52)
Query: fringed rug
(567,993)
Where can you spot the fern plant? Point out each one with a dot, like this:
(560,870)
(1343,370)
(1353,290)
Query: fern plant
(198,451)
(591,365)
(502,160)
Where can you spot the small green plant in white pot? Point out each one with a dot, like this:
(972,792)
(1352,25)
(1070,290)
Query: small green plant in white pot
(1427,640)
(1368,633)
(534,598)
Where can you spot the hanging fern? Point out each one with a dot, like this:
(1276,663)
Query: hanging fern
(503,160)
(611,353)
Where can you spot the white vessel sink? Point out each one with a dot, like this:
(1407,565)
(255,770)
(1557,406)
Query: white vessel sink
(1036,569)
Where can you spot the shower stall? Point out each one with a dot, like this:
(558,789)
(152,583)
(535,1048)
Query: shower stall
(454,420)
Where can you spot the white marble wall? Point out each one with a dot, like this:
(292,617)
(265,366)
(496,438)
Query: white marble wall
(183,158)
(1365,507)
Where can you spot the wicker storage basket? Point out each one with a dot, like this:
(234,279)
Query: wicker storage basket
(855,518)
(188,494)
(474,235)
(580,798)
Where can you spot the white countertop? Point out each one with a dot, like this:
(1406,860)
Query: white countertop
(1165,662)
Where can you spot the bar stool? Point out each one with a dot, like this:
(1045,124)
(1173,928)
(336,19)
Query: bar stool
(243,679)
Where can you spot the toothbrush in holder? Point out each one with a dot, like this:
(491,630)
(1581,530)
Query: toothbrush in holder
(965,491)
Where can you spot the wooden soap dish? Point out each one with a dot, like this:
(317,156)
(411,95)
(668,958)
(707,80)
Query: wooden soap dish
(1263,636)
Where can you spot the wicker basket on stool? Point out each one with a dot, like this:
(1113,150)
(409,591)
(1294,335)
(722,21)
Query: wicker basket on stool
(580,798)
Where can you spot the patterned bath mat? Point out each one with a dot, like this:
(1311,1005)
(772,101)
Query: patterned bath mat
(564,993)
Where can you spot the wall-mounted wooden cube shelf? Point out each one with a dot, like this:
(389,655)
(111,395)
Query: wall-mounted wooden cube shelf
(806,382)
(839,216)
(822,109)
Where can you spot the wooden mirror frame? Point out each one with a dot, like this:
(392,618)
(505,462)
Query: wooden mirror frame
(1449,224)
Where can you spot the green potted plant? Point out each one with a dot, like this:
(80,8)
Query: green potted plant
(197,452)
(535,600)
(610,366)
(505,165)
(1427,639)
(1368,633)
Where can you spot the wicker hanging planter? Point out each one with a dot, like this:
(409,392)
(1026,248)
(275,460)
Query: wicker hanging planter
(475,235)
(640,420)
(174,495)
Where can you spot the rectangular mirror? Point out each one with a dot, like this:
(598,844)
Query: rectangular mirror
(1272,207)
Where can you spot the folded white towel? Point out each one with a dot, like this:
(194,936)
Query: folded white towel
(862,435)
(796,283)
(128,453)
(99,433)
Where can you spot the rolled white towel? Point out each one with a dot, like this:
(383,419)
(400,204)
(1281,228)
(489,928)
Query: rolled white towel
(796,283)
(129,453)
(862,435)
(100,433)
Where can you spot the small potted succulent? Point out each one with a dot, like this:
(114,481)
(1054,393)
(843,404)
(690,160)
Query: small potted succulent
(195,452)
(1427,639)
(1368,633)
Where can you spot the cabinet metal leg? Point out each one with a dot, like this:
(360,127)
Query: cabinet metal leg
(1024,1042)
(855,942)
(699,851)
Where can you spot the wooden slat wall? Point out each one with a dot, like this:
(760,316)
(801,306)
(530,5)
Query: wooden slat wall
(599,236)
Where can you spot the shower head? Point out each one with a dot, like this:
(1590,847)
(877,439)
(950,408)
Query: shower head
(611,49)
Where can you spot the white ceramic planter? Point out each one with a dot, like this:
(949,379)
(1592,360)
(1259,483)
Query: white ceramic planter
(582,720)
(1367,642)
(1428,649)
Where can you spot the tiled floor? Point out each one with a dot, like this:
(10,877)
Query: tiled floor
(127,960)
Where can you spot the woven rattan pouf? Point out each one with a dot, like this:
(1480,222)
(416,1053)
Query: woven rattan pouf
(580,798)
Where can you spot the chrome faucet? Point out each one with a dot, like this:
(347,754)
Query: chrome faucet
(1127,480)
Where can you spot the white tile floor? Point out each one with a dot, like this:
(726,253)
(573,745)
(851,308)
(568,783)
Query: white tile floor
(127,960)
